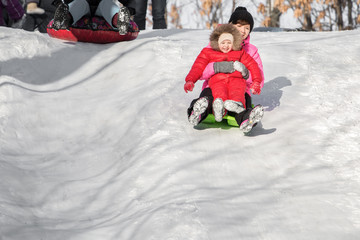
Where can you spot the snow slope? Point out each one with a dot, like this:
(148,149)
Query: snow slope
(95,142)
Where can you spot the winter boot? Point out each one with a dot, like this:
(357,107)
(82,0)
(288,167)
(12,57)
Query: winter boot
(218,109)
(234,106)
(255,116)
(199,108)
(123,20)
(62,17)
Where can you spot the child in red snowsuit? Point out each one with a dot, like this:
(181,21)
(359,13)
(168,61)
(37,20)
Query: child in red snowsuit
(228,88)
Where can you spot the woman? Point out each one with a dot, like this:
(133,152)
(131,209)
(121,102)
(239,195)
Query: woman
(228,89)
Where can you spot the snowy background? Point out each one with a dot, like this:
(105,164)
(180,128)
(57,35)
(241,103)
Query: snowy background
(190,17)
(95,142)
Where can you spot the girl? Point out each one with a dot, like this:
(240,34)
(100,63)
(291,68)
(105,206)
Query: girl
(200,107)
(228,88)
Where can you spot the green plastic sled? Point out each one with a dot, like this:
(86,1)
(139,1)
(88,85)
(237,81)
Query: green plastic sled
(210,119)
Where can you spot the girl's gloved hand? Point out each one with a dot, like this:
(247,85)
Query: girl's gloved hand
(189,86)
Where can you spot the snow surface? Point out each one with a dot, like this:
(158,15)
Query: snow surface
(95,142)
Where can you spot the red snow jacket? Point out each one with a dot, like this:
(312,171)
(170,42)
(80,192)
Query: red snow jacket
(208,55)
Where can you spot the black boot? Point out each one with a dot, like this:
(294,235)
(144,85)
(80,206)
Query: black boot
(123,20)
(249,118)
(62,16)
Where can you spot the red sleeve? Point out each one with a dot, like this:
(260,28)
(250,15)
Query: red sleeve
(198,67)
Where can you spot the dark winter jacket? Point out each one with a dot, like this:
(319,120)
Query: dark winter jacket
(14,10)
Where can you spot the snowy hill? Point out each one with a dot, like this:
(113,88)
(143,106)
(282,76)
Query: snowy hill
(95,143)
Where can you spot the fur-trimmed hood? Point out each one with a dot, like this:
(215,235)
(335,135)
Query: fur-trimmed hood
(225,28)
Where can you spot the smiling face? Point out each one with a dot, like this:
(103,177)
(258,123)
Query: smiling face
(226,46)
(225,42)
(225,32)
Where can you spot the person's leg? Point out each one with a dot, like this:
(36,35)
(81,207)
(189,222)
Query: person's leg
(14,10)
(107,9)
(237,90)
(78,9)
(218,109)
(2,22)
(252,118)
(248,101)
(249,117)
(200,107)
(219,88)
(117,17)
(236,100)
(158,12)
(140,14)
(220,93)
(64,18)
(240,117)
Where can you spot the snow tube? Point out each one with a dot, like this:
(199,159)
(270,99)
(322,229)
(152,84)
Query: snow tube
(93,30)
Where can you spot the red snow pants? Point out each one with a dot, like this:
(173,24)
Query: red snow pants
(228,88)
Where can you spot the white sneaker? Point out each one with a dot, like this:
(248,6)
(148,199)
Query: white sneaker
(38,11)
(218,109)
(199,108)
(234,106)
(255,116)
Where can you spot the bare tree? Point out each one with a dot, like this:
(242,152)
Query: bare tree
(271,14)
(350,18)
(314,14)
(212,10)
(174,15)
(233,5)
(337,5)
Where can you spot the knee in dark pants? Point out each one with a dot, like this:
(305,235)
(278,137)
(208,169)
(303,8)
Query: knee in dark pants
(248,101)
(240,117)
(204,93)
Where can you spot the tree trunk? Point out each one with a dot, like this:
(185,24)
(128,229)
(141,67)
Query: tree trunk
(269,9)
(275,18)
(338,10)
(350,6)
(307,19)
